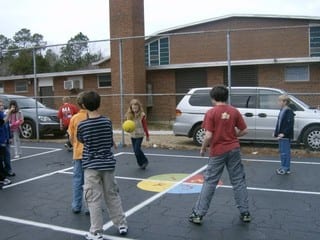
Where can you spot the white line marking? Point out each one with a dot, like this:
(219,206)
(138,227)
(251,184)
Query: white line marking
(35,155)
(244,159)
(53,227)
(36,178)
(154,197)
(36,147)
(277,161)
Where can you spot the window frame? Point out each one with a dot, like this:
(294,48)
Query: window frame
(157,52)
(292,80)
(24,82)
(99,80)
(314,40)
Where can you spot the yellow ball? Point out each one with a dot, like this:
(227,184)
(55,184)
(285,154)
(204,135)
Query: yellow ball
(129,126)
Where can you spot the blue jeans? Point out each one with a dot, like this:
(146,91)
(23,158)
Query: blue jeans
(7,159)
(285,153)
(77,183)
(232,160)
(136,145)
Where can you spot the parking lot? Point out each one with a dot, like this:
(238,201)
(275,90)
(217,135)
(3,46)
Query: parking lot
(158,200)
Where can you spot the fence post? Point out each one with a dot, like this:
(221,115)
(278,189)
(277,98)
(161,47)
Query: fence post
(229,65)
(122,143)
(35,88)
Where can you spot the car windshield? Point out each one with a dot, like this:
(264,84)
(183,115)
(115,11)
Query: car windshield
(24,103)
(300,102)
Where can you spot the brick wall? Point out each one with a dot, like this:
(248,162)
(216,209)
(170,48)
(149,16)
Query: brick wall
(127,20)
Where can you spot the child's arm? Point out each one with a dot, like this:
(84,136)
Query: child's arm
(145,127)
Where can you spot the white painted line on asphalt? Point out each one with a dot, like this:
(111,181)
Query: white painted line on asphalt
(244,159)
(274,190)
(55,227)
(225,186)
(35,155)
(154,197)
(277,161)
(36,178)
(167,155)
(12,146)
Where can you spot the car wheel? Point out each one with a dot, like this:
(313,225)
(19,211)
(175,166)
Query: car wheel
(28,129)
(311,138)
(198,135)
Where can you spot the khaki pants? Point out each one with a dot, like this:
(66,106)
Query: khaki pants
(99,185)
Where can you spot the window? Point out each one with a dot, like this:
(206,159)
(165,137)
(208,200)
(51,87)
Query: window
(297,73)
(315,41)
(104,80)
(269,99)
(244,98)
(1,87)
(201,98)
(157,52)
(21,86)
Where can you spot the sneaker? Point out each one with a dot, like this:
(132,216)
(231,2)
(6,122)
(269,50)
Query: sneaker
(10,174)
(245,217)
(194,218)
(68,147)
(5,182)
(96,236)
(144,166)
(281,171)
(123,230)
(76,211)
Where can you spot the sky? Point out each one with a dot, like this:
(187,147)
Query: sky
(60,20)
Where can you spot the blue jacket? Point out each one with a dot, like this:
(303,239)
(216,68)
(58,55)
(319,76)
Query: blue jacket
(285,123)
(5,133)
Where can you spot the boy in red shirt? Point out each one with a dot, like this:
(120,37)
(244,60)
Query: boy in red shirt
(65,112)
(223,124)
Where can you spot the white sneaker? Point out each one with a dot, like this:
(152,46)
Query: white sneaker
(123,229)
(91,236)
(5,182)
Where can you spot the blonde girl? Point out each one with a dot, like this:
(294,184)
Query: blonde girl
(135,113)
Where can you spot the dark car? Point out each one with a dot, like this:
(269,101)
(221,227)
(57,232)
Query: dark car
(48,121)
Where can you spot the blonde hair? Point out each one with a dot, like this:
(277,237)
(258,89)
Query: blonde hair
(130,114)
(285,98)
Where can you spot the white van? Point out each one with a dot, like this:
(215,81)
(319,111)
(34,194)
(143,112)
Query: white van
(259,108)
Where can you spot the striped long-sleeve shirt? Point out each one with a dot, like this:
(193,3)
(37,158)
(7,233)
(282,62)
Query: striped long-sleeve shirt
(97,138)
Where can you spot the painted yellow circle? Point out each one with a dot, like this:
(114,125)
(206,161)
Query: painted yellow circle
(161,182)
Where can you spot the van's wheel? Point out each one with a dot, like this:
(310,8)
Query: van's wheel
(28,129)
(198,135)
(311,138)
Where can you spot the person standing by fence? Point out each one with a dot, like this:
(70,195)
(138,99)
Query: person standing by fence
(15,118)
(65,112)
(284,133)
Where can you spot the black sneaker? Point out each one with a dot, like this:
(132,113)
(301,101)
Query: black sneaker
(194,218)
(245,217)
(144,166)
(10,174)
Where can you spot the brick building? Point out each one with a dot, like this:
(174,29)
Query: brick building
(264,50)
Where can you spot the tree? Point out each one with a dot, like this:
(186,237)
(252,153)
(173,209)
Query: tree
(76,54)
(24,39)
